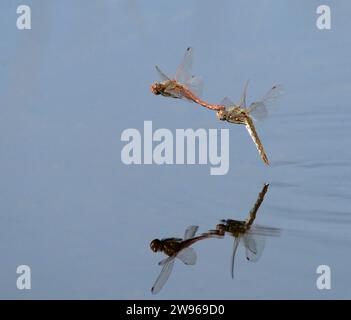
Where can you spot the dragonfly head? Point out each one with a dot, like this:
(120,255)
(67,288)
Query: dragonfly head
(220,228)
(156,88)
(155,245)
(221,115)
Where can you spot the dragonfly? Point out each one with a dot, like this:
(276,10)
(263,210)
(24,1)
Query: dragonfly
(184,85)
(252,236)
(258,110)
(175,248)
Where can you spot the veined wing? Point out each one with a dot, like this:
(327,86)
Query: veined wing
(254,245)
(242,102)
(235,247)
(187,256)
(165,260)
(183,73)
(228,104)
(173,90)
(195,85)
(259,109)
(190,232)
(161,74)
(265,231)
(164,275)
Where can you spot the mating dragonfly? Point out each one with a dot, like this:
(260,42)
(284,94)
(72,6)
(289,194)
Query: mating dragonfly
(253,236)
(184,85)
(240,114)
(175,248)
(187,86)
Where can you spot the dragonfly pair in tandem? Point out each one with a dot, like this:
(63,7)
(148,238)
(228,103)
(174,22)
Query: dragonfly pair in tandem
(189,87)
(253,237)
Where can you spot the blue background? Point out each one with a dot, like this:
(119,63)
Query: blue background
(83,221)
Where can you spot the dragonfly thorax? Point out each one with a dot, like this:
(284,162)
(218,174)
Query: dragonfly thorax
(236,116)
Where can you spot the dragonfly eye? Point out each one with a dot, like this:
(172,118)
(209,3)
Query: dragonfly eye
(155,245)
(220,227)
(221,115)
(155,88)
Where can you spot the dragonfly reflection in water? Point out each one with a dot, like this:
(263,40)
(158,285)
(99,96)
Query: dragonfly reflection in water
(175,248)
(184,85)
(253,236)
(239,114)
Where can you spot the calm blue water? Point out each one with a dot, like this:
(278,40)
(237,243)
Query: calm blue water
(83,221)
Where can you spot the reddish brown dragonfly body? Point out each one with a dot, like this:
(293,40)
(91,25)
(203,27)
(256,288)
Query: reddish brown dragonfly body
(184,85)
(187,86)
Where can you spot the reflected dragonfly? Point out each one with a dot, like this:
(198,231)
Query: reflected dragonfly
(240,114)
(184,85)
(175,248)
(253,236)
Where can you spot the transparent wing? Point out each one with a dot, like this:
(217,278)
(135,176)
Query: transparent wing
(243,96)
(164,275)
(195,85)
(190,232)
(254,245)
(227,103)
(165,260)
(265,231)
(187,256)
(235,247)
(161,74)
(183,73)
(174,93)
(259,109)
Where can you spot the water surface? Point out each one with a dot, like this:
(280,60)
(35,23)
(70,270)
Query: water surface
(83,221)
